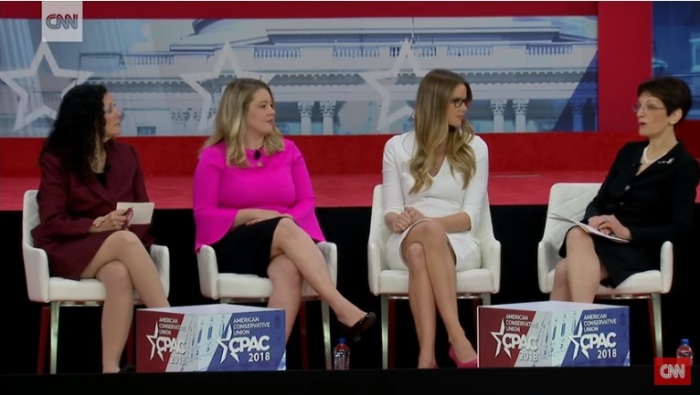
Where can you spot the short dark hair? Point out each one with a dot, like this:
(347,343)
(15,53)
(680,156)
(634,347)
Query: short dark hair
(672,91)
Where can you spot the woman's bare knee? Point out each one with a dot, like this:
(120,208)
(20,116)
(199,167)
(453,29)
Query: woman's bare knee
(429,232)
(561,273)
(123,239)
(578,238)
(115,276)
(286,227)
(415,258)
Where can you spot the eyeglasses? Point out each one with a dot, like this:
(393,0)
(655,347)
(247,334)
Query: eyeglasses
(646,108)
(459,101)
(110,108)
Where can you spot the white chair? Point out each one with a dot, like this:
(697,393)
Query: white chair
(476,284)
(57,292)
(248,288)
(570,200)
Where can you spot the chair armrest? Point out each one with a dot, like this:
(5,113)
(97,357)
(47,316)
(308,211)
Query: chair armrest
(161,257)
(491,260)
(666,267)
(547,259)
(374,266)
(36,270)
(208,269)
(330,252)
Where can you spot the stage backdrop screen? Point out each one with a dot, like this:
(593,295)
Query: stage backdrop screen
(330,76)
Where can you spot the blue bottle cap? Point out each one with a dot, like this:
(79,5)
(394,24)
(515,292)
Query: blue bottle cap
(341,340)
(685,342)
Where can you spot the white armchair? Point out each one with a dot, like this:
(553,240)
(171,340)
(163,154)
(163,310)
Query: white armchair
(476,284)
(570,200)
(57,292)
(248,288)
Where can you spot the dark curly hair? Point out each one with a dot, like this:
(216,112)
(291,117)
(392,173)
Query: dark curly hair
(79,123)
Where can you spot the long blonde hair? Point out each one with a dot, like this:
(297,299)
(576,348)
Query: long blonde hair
(432,129)
(230,122)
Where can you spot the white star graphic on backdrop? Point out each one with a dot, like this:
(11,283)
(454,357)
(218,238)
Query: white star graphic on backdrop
(372,78)
(194,79)
(42,52)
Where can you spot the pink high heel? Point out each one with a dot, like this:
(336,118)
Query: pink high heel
(474,363)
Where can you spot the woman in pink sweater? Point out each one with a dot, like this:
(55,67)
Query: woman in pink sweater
(254,205)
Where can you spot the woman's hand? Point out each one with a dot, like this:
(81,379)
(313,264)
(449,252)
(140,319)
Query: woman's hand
(415,214)
(263,215)
(400,222)
(611,225)
(116,220)
(596,221)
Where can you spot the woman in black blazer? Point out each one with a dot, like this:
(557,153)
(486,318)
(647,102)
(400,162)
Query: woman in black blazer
(648,197)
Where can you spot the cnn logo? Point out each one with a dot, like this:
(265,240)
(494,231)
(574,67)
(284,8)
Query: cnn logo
(672,371)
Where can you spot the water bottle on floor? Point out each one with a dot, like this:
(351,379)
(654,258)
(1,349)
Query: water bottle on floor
(684,350)
(341,355)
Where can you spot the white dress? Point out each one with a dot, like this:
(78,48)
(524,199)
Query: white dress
(444,197)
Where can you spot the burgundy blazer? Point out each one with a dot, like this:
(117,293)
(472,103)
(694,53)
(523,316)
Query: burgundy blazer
(68,207)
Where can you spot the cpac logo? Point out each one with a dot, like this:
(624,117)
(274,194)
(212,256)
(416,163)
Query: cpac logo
(591,341)
(65,21)
(233,346)
(509,341)
(672,371)
(161,344)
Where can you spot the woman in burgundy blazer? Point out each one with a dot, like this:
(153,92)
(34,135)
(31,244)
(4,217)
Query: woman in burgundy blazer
(84,173)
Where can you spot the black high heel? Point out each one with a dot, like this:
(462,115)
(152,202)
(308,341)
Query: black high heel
(128,369)
(361,326)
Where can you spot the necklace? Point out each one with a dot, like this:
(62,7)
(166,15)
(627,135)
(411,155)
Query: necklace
(98,162)
(645,158)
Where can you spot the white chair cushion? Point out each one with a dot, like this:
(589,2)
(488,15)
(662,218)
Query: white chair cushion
(640,283)
(468,281)
(251,286)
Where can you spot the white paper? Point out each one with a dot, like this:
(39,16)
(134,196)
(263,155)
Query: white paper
(143,211)
(587,228)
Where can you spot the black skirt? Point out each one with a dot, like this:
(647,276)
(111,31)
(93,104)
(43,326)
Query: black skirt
(246,249)
(621,260)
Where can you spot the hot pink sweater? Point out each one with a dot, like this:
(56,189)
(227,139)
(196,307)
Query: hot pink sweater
(282,184)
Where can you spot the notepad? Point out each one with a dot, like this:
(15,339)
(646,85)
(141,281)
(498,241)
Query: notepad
(143,211)
(589,229)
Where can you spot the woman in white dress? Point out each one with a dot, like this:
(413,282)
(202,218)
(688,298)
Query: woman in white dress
(434,186)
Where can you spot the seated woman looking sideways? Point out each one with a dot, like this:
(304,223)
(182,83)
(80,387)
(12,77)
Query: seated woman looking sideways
(254,205)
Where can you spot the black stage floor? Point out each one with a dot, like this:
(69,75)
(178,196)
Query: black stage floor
(635,380)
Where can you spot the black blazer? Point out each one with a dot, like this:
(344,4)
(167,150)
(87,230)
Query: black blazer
(657,205)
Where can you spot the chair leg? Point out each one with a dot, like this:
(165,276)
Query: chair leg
(485,301)
(326,318)
(476,302)
(392,333)
(303,337)
(655,324)
(385,331)
(130,345)
(55,310)
(43,337)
